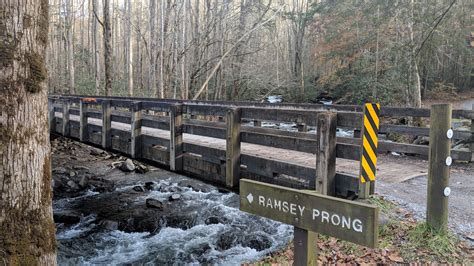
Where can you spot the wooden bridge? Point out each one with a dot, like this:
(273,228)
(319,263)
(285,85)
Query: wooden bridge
(223,141)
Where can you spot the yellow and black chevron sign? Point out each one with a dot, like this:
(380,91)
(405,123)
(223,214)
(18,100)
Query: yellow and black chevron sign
(368,160)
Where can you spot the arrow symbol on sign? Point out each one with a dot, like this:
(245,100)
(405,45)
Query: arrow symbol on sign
(250,198)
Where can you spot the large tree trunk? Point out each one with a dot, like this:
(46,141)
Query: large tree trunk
(152,67)
(162,59)
(414,85)
(70,45)
(27,231)
(129,52)
(96,47)
(108,49)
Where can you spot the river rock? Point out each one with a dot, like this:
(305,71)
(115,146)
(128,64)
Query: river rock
(109,225)
(182,221)
(195,185)
(174,197)
(67,217)
(257,242)
(96,152)
(138,189)
(60,170)
(127,166)
(226,240)
(213,220)
(149,185)
(154,203)
(141,169)
(84,182)
(80,167)
(72,185)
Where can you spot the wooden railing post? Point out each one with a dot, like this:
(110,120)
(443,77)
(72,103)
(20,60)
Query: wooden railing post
(306,249)
(66,109)
(302,127)
(52,118)
(176,137)
(106,125)
(233,147)
(326,153)
(439,164)
(83,130)
(136,130)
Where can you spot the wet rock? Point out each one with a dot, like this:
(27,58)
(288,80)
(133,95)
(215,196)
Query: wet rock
(154,203)
(257,242)
(195,185)
(174,197)
(84,182)
(127,166)
(72,185)
(141,169)
(96,152)
(101,185)
(173,189)
(182,221)
(67,217)
(138,189)
(199,249)
(226,240)
(81,168)
(109,225)
(60,170)
(213,220)
(150,185)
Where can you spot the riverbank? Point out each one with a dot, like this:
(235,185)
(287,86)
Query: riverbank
(110,210)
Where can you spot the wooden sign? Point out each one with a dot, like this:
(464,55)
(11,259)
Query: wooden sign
(347,220)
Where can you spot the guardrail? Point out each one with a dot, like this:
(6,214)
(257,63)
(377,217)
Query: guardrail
(133,134)
(348,117)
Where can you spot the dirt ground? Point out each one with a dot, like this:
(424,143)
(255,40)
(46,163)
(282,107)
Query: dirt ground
(411,194)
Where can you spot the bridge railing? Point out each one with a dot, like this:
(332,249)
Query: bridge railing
(90,120)
(346,120)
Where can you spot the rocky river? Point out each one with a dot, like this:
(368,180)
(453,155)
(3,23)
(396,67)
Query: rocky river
(108,212)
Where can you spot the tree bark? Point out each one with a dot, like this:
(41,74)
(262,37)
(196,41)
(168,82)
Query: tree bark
(152,56)
(129,53)
(108,49)
(70,45)
(95,38)
(27,230)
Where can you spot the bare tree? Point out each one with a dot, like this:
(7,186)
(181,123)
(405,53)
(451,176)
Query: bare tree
(107,49)
(152,51)
(70,44)
(95,38)
(26,217)
(129,51)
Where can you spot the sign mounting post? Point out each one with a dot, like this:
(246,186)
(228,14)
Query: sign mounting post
(368,156)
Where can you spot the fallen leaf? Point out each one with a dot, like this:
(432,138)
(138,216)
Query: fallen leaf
(395,258)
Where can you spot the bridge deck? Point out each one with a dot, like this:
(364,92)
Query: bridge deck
(388,170)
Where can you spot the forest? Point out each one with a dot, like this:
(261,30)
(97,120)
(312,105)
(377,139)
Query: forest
(393,52)
(159,176)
